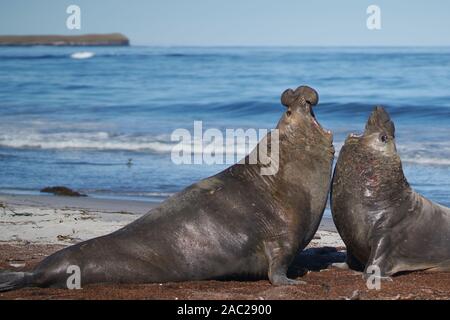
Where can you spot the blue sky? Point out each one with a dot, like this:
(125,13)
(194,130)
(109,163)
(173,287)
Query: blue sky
(239,22)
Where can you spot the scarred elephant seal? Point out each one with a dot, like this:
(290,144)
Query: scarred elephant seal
(381,220)
(238,222)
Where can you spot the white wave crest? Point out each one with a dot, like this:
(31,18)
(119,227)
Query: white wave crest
(427,161)
(426,153)
(82,55)
(410,153)
(107,141)
(95,140)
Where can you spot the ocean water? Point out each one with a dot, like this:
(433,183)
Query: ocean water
(76,116)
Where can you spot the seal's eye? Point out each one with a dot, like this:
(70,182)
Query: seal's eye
(288,113)
(384,138)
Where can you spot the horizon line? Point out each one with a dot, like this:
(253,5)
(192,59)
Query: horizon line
(284,46)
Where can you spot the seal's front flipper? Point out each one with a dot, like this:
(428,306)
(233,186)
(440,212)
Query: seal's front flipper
(280,257)
(367,276)
(13,280)
(380,263)
(353,262)
(283,280)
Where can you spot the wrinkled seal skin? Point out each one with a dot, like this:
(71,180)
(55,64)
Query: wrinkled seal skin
(381,220)
(236,223)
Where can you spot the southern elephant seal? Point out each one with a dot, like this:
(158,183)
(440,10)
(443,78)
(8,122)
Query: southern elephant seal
(381,220)
(238,222)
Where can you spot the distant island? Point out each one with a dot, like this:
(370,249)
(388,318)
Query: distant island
(111,39)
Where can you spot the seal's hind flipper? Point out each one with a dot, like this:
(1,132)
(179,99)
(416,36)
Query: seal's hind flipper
(13,280)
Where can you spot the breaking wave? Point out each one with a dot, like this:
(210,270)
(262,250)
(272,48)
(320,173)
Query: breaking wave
(104,141)
(82,55)
(411,152)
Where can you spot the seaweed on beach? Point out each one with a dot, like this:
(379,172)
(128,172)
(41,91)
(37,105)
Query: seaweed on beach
(62,191)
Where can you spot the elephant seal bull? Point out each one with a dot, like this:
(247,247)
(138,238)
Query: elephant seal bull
(236,223)
(381,220)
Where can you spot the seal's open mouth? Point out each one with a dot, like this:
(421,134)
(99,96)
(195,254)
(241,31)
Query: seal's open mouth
(328,133)
(355,135)
(379,121)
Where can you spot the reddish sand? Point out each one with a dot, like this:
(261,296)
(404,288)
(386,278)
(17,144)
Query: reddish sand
(324,284)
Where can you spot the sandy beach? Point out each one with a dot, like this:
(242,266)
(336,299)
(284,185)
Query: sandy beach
(43,219)
(34,226)
(63,220)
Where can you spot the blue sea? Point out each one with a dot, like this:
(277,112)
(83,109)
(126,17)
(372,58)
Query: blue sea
(100,119)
